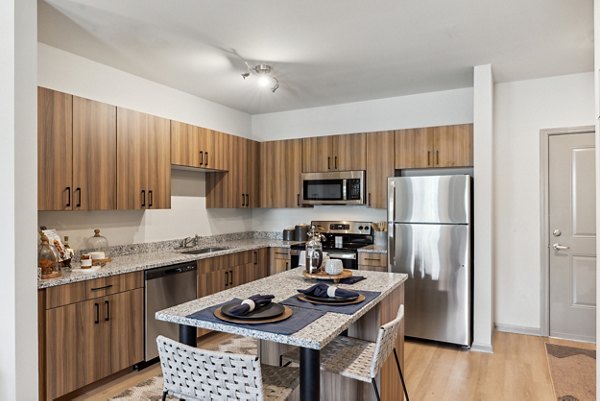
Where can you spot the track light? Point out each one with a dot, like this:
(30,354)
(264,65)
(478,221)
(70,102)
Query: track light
(265,78)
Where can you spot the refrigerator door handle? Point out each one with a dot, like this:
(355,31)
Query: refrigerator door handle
(391,201)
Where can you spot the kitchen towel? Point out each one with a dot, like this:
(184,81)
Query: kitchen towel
(322,290)
(248,305)
(301,318)
(345,309)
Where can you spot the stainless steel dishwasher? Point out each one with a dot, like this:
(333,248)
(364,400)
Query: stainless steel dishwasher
(165,287)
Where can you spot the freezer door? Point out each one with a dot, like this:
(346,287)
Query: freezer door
(438,290)
(432,199)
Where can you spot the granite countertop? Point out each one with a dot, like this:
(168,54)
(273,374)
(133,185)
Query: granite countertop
(373,249)
(150,260)
(283,285)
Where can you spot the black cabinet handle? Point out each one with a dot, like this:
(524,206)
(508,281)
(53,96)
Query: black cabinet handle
(143,197)
(68,189)
(297,199)
(328,162)
(226,279)
(206,158)
(369,202)
(287,265)
(247,200)
(437,157)
(101,288)
(107,317)
(335,163)
(97,306)
(78,190)
(150,198)
(201,158)
(255,257)
(230,277)
(428,157)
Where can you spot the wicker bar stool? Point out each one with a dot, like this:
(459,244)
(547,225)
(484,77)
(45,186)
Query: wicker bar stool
(359,359)
(195,374)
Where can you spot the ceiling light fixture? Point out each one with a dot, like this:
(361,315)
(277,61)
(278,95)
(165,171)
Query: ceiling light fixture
(265,78)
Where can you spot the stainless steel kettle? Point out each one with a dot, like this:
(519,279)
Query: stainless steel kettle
(314,252)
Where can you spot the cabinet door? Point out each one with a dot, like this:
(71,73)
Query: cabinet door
(380,166)
(239,169)
(453,145)
(158,153)
(349,152)
(131,159)
(221,158)
(124,313)
(94,155)
(317,154)
(206,147)
(184,145)
(252,182)
(261,263)
(414,148)
(275,179)
(212,282)
(292,160)
(62,334)
(55,150)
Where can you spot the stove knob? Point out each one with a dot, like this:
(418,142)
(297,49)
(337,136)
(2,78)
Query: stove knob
(360,228)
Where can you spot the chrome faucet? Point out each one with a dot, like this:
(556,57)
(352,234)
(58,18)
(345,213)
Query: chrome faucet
(190,240)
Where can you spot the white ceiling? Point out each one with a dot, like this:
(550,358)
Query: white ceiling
(323,51)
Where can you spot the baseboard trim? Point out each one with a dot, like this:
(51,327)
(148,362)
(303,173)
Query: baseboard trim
(509,328)
(477,347)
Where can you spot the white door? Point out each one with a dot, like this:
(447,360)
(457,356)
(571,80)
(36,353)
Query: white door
(572,236)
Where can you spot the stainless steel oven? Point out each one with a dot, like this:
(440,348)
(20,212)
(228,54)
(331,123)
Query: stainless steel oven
(333,188)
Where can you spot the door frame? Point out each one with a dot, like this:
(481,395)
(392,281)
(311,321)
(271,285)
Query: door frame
(544,239)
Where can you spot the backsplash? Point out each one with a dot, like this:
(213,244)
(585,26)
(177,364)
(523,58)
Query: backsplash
(208,240)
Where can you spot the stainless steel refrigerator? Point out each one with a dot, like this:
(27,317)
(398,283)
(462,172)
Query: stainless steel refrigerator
(429,234)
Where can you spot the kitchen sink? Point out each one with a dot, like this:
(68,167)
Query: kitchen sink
(205,250)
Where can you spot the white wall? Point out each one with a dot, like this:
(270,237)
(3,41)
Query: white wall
(421,110)
(188,215)
(18,178)
(483,208)
(522,109)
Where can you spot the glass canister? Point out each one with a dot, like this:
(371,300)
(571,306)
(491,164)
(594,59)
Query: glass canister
(48,260)
(98,242)
(314,252)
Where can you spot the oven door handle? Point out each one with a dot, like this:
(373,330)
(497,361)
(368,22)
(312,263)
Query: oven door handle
(336,255)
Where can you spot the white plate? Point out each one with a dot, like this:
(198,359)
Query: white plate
(88,270)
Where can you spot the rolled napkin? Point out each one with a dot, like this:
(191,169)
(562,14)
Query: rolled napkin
(322,290)
(250,304)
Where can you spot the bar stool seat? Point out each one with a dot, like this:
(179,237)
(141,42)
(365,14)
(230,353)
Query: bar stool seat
(196,374)
(359,359)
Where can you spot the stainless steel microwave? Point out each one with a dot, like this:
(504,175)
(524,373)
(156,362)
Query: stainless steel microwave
(333,188)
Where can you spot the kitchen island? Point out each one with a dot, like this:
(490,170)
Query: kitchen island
(363,323)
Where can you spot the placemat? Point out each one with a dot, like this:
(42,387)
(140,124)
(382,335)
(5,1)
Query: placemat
(301,318)
(345,309)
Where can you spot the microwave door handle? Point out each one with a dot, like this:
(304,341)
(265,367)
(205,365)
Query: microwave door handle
(344,189)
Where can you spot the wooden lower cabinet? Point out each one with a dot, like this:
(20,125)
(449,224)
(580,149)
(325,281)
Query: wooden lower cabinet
(280,260)
(373,261)
(89,340)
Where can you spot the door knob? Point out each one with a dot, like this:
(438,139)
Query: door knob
(559,247)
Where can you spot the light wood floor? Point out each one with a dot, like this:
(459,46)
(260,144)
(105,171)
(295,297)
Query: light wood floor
(517,370)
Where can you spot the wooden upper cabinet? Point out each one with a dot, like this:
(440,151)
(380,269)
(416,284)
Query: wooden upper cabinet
(184,145)
(199,147)
(349,152)
(414,148)
(143,162)
(252,187)
(447,146)
(94,155)
(55,150)
(380,166)
(453,145)
(280,167)
(334,153)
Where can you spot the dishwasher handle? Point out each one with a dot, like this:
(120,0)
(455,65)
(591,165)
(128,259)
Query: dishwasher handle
(169,270)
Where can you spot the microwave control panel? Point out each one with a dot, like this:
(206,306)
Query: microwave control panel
(353,189)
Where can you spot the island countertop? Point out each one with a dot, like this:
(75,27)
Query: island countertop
(283,285)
